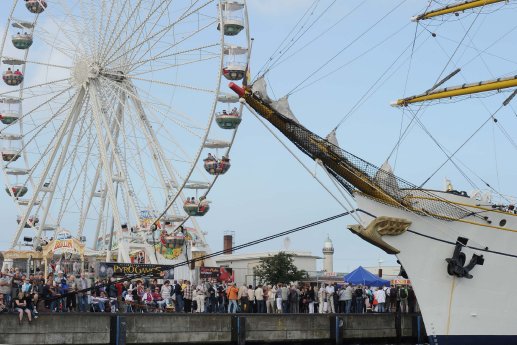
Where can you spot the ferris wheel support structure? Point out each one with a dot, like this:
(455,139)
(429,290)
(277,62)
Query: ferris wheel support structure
(71,121)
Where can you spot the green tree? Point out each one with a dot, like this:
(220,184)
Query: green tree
(279,268)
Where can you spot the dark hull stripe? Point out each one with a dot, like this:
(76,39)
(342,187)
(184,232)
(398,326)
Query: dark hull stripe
(473,340)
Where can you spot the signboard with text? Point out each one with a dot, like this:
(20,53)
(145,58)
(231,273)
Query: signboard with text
(221,274)
(115,269)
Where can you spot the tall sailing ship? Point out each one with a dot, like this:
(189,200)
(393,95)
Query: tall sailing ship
(455,247)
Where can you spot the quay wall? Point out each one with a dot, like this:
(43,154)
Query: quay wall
(238,329)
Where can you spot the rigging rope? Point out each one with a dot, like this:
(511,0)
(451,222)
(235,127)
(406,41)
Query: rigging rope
(278,63)
(346,47)
(491,117)
(314,4)
(299,161)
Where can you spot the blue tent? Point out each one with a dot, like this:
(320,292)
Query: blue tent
(363,277)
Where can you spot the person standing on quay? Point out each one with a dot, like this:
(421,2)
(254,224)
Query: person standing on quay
(359,299)
(232,293)
(259,298)
(380,296)
(403,294)
(179,297)
(311,297)
(278,298)
(270,304)
(330,298)
(285,301)
(187,297)
(243,298)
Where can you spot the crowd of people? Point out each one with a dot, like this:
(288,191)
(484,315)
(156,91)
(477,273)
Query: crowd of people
(30,294)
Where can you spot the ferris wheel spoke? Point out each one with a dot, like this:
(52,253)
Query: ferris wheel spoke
(106,166)
(26,88)
(150,132)
(70,126)
(164,53)
(85,209)
(159,34)
(68,187)
(74,44)
(110,34)
(142,25)
(161,55)
(46,64)
(153,106)
(137,28)
(174,85)
(89,33)
(113,150)
(172,66)
(41,127)
(63,131)
(154,152)
(115,35)
(105,28)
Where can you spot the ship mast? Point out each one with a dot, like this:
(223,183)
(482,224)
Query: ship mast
(454,8)
(460,90)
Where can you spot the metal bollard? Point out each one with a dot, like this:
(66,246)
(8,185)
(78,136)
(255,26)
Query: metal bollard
(118,328)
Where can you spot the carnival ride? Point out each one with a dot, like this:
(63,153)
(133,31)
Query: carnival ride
(105,118)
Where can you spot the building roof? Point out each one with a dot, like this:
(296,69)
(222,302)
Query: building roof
(252,256)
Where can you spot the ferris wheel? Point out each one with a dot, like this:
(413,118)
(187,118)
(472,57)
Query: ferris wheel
(108,109)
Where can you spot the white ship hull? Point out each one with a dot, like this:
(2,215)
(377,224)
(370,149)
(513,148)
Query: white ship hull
(456,310)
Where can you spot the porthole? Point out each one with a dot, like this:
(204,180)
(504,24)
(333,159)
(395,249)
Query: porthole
(502,222)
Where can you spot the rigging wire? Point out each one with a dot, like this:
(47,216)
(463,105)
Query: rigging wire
(314,4)
(300,161)
(458,46)
(491,117)
(346,47)
(224,251)
(278,63)
(369,92)
(373,47)
(440,146)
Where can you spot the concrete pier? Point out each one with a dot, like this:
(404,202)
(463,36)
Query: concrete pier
(237,329)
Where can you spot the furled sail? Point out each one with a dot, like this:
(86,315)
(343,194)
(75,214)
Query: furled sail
(282,106)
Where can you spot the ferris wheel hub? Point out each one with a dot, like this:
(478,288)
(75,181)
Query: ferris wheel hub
(84,71)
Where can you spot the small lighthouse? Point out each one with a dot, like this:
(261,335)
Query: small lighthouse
(328,254)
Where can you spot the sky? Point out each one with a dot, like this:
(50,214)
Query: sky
(352,45)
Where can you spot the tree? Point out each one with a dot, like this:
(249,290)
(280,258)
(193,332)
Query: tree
(279,268)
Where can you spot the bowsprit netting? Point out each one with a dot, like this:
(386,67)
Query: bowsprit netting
(355,174)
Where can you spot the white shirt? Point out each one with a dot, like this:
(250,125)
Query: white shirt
(259,294)
(330,289)
(380,296)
